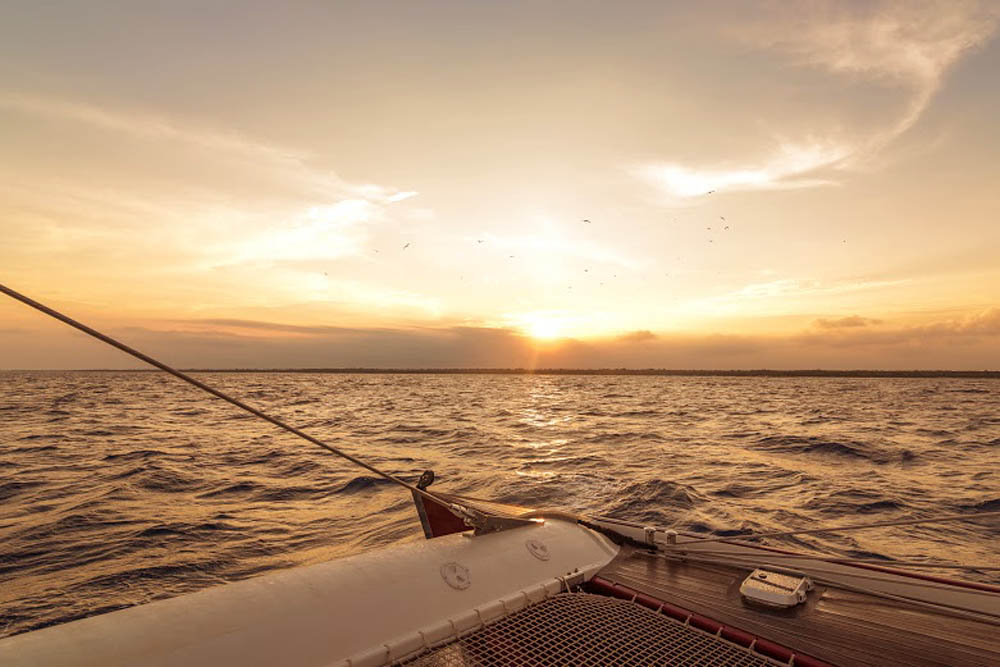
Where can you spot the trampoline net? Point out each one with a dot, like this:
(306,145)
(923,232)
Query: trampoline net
(585,629)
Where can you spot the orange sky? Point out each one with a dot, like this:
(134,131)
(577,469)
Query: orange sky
(586,184)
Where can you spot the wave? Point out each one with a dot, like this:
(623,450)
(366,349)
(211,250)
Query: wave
(32,450)
(238,489)
(817,446)
(809,445)
(166,481)
(362,483)
(654,499)
(137,454)
(10,490)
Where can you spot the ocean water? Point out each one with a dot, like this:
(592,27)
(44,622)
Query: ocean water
(120,488)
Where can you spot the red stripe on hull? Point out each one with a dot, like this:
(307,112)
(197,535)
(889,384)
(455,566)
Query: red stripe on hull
(747,640)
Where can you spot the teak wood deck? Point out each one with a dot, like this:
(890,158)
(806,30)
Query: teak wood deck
(837,626)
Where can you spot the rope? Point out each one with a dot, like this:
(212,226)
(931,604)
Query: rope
(839,529)
(462,512)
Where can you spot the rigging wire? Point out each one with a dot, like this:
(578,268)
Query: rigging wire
(467,514)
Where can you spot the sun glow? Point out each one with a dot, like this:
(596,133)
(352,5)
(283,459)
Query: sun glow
(541,326)
(544,330)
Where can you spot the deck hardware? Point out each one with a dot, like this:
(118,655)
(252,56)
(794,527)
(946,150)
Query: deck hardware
(650,535)
(484,523)
(671,536)
(537,549)
(456,575)
(426,479)
(775,589)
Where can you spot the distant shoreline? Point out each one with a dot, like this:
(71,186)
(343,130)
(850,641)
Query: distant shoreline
(993,375)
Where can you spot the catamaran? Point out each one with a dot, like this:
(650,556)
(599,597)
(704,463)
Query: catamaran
(496,584)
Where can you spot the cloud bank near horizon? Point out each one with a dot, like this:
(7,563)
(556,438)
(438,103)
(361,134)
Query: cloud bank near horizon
(853,342)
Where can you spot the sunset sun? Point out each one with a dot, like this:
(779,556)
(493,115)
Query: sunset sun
(542,326)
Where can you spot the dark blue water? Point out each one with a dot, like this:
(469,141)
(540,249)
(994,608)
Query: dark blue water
(120,488)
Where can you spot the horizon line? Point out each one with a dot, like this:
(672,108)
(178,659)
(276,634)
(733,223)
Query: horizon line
(757,372)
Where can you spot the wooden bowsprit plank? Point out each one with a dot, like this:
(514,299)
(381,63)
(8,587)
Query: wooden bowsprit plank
(841,627)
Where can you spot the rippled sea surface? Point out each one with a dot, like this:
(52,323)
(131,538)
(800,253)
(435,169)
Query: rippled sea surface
(120,488)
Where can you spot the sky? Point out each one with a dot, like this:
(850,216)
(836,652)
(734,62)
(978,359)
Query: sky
(503,184)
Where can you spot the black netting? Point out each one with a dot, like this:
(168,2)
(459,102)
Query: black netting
(581,629)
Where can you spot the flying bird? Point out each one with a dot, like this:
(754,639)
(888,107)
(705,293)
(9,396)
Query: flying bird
(406,246)
(710,192)
(722,217)
(587,221)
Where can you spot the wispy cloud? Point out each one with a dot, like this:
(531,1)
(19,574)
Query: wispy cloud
(302,211)
(850,322)
(143,125)
(984,325)
(785,295)
(787,287)
(330,231)
(640,336)
(906,46)
(285,165)
(400,196)
(788,168)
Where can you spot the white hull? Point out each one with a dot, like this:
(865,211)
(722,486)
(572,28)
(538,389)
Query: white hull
(365,610)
